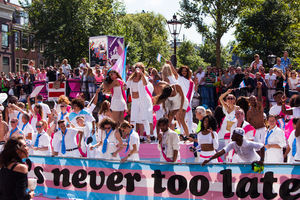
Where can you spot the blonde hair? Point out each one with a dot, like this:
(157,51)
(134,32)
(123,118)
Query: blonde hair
(63,99)
(166,71)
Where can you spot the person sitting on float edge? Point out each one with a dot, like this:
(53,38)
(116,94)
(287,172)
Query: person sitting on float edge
(244,148)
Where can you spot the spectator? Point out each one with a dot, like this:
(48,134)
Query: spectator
(279,65)
(237,80)
(262,72)
(258,62)
(270,79)
(66,67)
(99,77)
(279,80)
(51,74)
(42,76)
(226,81)
(285,61)
(232,72)
(208,93)
(249,83)
(258,78)
(31,70)
(293,82)
(248,69)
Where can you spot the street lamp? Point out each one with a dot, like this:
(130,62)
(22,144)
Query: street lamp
(271,59)
(174,29)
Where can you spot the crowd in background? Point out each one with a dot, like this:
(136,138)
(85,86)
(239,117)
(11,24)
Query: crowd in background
(171,106)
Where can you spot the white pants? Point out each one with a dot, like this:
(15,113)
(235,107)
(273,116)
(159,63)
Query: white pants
(204,155)
(260,135)
(134,157)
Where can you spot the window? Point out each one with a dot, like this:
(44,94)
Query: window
(25,41)
(17,64)
(42,63)
(25,65)
(17,40)
(24,18)
(5,60)
(31,42)
(42,47)
(4,35)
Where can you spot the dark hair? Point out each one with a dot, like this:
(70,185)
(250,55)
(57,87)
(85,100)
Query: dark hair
(212,123)
(277,92)
(109,80)
(295,120)
(41,113)
(108,121)
(104,107)
(166,92)
(295,100)
(243,103)
(13,99)
(188,75)
(126,124)
(39,97)
(60,121)
(163,120)
(79,102)
(9,154)
(26,117)
(219,115)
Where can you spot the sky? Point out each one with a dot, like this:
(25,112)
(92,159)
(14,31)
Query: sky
(168,8)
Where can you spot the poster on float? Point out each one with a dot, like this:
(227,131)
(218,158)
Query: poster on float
(105,50)
(101,179)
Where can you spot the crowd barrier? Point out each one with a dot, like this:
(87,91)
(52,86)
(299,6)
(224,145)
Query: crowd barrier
(102,179)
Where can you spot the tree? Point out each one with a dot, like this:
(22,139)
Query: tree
(188,55)
(147,35)
(223,13)
(65,26)
(207,52)
(268,27)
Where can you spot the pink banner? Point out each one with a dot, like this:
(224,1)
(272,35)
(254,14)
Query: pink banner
(44,91)
(74,85)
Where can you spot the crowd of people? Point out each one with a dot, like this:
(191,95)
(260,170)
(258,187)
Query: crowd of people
(229,114)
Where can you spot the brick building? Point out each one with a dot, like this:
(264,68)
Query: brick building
(17,47)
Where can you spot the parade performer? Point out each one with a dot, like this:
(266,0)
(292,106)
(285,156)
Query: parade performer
(133,142)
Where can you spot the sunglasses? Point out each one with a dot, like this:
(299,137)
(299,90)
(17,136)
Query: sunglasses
(107,128)
(13,121)
(230,98)
(38,126)
(62,106)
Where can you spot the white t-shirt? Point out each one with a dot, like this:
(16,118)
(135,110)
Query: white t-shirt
(247,151)
(44,141)
(200,76)
(260,63)
(134,139)
(297,155)
(271,79)
(290,141)
(27,129)
(275,110)
(46,109)
(70,140)
(296,112)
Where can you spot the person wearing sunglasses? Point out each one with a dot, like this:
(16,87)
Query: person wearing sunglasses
(14,131)
(111,141)
(64,141)
(228,102)
(41,141)
(133,142)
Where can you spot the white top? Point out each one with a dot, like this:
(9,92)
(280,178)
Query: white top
(91,108)
(275,110)
(260,63)
(20,124)
(294,83)
(247,151)
(44,141)
(271,79)
(134,86)
(134,139)
(296,111)
(70,140)
(290,143)
(297,155)
(200,76)
(170,142)
(185,86)
(27,129)
(172,80)
(275,155)
(207,139)
(228,117)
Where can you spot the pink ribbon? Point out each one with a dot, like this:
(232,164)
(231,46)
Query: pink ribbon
(189,95)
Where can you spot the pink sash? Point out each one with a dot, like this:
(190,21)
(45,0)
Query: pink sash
(219,159)
(164,155)
(39,118)
(80,150)
(249,128)
(156,108)
(288,129)
(281,114)
(148,92)
(123,92)
(189,95)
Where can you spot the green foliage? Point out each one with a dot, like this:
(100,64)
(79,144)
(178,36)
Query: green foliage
(147,36)
(188,54)
(270,26)
(65,26)
(223,13)
(207,51)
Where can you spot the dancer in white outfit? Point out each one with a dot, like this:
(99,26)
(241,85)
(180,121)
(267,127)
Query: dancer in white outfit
(114,84)
(133,144)
(174,100)
(111,141)
(207,139)
(141,106)
(274,142)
